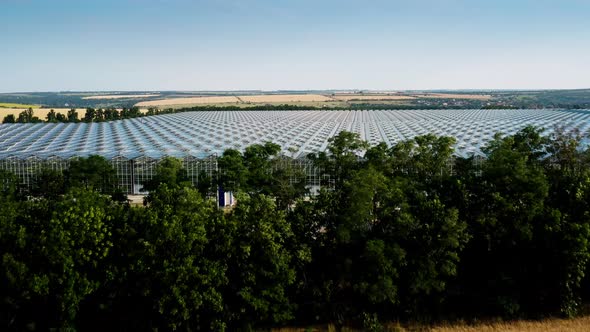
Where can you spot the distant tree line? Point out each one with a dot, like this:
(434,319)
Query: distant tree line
(499,107)
(406,232)
(91,115)
(25,116)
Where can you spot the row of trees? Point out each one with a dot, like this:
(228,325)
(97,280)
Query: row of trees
(405,232)
(25,116)
(91,115)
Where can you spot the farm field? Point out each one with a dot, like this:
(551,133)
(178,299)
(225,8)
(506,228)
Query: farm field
(311,100)
(121,96)
(317,104)
(349,97)
(190,101)
(229,100)
(315,100)
(14,105)
(285,98)
(322,98)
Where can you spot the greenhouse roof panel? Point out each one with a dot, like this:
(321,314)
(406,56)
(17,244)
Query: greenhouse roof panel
(202,134)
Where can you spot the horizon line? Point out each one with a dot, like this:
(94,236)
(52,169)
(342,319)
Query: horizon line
(302,90)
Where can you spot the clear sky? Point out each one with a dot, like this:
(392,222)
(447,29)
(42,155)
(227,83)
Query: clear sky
(300,44)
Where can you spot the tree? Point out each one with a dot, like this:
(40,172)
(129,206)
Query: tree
(73,115)
(25,116)
(127,113)
(89,115)
(379,157)
(169,265)
(111,114)
(99,116)
(9,119)
(260,265)
(287,182)
(48,183)
(51,116)
(10,299)
(205,184)
(380,246)
(8,184)
(53,258)
(344,151)
(424,159)
(257,160)
(170,172)
(93,172)
(234,173)
(506,204)
(565,230)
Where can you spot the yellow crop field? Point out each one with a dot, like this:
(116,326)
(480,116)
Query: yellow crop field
(246,99)
(284,98)
(41,113)
(189,101)
(299,99)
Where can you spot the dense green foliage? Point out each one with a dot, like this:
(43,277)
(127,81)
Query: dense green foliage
(401,232)
(90,115)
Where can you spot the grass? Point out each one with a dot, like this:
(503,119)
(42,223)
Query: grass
(580,324)
(567,325)
(14,105)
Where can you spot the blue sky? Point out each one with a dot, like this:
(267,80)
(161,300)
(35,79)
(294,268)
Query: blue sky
(277,44)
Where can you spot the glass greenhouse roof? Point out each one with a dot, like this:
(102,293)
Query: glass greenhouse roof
(201,134)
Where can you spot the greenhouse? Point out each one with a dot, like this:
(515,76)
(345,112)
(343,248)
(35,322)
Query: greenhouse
(135,146)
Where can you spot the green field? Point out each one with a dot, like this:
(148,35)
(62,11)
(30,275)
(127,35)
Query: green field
(14,105)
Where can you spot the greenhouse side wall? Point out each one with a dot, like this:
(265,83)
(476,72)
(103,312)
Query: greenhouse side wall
(133,173)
